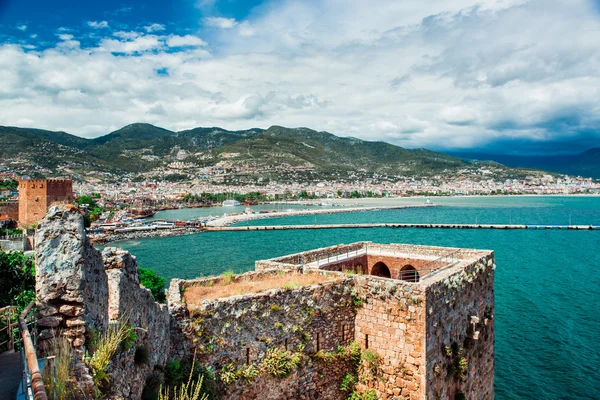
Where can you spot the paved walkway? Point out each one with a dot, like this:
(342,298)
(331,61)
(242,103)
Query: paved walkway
(10,375)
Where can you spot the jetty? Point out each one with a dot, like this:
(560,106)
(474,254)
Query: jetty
(389,225)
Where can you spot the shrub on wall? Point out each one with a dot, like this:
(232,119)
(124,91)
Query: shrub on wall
(150,280)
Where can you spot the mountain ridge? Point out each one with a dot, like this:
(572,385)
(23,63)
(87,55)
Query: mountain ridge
(140,148)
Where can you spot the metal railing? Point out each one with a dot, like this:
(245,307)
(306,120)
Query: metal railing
(7,337)
(439,264)
(408,275)
(33,383)
(331,259)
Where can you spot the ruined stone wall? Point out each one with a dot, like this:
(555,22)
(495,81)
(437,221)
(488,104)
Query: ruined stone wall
(460,333)
(130,303)
(71,286)
(239,330)
(80,291)
(391,323)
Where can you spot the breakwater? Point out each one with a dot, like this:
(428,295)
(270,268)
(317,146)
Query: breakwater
(103,238)
(386,225)
(233,219)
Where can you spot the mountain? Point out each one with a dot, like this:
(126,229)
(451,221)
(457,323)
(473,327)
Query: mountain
(584,164)
(275,153)
(325,151)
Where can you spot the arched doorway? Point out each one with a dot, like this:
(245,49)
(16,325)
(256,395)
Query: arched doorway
(408,273)
(380,269)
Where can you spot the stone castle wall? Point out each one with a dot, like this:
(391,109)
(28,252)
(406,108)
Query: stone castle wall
(239,330)
(80,291)
(127,301)
(71,286)
(391,322)
(459,330)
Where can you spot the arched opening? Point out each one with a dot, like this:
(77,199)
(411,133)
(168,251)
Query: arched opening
(380,269)
(408,273)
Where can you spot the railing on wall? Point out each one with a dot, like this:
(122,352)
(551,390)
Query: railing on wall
(7,337)
(440,264)
(33,383)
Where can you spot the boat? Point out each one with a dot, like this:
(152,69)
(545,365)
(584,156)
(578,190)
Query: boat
(231,203)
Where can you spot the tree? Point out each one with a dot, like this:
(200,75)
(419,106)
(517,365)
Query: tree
(17,279)
(150,280)
(88,200)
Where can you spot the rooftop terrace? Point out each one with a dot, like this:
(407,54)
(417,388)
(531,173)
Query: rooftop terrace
(409,263)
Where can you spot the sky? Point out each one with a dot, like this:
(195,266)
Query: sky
(504,76)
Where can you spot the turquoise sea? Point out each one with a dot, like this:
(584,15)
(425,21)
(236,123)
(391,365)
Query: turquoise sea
(547,282)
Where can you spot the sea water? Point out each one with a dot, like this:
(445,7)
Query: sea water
(547,282)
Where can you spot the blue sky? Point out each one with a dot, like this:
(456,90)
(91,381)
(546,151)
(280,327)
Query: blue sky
(515,76)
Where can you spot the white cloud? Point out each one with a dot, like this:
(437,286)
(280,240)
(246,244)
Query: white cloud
(187,40)
(154,28)
(22,27)
(126,35)
(219,22)
(136,45)
(419,74)
(98,24)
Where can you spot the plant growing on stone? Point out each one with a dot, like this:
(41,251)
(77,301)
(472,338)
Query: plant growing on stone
(248,372)
(370,394)
(348,382)
(324,356)
(60,386)
(291,285)
(106,347)
(280,363)
(228,374)
(191,390)
(227,277)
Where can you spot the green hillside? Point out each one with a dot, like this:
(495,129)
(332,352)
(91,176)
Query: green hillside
(272,153)
(325,151)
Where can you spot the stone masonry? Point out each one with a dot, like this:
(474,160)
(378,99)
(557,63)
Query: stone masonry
(80,291)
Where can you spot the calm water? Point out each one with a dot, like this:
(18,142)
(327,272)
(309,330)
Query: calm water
(547,282)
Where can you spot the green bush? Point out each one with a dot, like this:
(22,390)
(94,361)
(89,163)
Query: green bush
(17,279)
(150,280)
(281,363)
(348,382)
